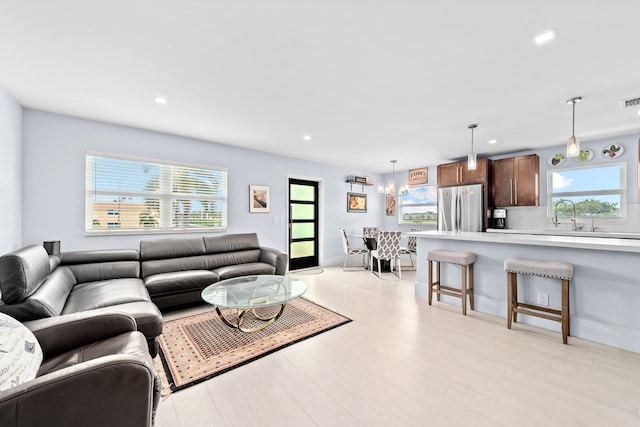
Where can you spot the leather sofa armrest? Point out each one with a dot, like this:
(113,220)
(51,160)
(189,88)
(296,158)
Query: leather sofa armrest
(275,257)
(116,390)
(62,333)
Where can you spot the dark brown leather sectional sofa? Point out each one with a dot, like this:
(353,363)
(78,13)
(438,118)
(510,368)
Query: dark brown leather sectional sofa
(164,273)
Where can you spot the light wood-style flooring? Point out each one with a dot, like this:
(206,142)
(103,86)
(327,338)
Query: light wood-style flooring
(402,362)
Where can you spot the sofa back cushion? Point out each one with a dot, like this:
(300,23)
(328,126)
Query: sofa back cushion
(230,243)
(98,265)
(171,248)
(232,258)
(22,272)
(47,301)
(172,254)
(197,253)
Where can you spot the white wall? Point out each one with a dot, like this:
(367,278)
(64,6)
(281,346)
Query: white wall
(10,172)
(54,183)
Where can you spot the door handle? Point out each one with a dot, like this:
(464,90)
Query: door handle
(511,191)
(515,189)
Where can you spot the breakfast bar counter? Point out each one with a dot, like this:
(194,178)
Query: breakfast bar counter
(604,291)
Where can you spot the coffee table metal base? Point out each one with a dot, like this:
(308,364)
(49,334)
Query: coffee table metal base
(241,312)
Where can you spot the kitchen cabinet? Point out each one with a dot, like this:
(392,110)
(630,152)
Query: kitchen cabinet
(458,173)
(515,181)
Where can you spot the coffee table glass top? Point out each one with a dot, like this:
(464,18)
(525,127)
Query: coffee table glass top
(247,292)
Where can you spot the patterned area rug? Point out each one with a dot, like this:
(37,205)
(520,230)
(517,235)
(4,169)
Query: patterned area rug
(199,347)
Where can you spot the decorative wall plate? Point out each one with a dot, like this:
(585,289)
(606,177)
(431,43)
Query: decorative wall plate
(613,151)
(584,156)
(556,159)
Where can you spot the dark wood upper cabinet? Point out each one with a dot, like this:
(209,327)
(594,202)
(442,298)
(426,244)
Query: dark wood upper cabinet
(515,181)
(457,173)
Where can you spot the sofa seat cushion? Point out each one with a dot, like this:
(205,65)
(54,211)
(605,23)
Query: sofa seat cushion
(246,269)
(92,295)
(179,282)
(146,314)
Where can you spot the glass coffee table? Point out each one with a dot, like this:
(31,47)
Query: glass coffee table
(247,293)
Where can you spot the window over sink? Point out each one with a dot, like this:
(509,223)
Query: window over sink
(598,191)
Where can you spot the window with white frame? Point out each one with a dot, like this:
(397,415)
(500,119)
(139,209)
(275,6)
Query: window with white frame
(419,206)
(132,195)
(598,191)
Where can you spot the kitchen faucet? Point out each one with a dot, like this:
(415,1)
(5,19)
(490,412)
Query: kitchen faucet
(574,226)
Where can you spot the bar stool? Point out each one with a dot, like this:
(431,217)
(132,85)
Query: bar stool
(553,269)
(465,260)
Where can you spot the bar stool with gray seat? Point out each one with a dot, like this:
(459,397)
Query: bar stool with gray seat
(553,269)
(465,260)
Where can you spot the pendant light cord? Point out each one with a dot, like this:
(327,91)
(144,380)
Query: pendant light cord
(472,127)
(573,123)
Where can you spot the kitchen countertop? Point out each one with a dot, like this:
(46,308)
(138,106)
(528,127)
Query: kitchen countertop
(559,232)
(577,242)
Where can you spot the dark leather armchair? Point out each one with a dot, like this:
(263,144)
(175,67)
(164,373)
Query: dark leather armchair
(96,371)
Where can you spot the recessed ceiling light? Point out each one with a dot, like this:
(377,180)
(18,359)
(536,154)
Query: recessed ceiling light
(160,100)
(307,137)
(492,141)
(638,112)
(545,37)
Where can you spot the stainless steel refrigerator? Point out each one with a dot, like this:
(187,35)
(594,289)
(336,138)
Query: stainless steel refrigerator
(460,208)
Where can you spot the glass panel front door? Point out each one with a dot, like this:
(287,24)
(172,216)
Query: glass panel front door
(303,224)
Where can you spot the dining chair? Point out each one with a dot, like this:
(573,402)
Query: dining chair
(348,250)
(388,249)
(411,247)
(370,232)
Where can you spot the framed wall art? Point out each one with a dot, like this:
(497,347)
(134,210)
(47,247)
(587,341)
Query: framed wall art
(391,205)
(418,176)
(356,202)
(259,198)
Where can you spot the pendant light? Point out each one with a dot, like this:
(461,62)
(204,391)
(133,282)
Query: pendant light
(573,145)
(390,187)
(471,158)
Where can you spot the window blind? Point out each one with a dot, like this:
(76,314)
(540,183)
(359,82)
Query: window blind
(129,195)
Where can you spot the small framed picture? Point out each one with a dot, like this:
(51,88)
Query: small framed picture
(391,205)
(356,202)
(259,198)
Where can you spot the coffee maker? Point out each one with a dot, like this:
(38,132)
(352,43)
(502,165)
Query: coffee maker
(499,219)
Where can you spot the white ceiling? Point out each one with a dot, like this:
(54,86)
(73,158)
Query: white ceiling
(369,80)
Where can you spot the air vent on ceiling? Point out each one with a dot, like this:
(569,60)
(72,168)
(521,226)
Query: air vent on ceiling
(631,102)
